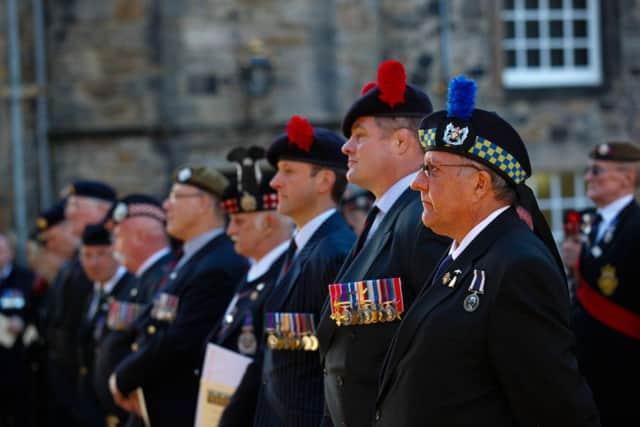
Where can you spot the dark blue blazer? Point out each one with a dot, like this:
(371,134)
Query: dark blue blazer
(352,356)
(607,357)
(168,358)
(242,407)
(291,393)
(508,362)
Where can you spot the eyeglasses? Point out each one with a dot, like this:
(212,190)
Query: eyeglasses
(429,169)
(596,170)
(175,196)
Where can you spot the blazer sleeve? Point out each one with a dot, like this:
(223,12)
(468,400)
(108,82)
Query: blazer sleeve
(531,348)
(201,305)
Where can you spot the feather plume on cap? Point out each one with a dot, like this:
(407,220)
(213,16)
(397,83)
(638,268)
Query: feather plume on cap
(300,133)
(392,82)
(461,97)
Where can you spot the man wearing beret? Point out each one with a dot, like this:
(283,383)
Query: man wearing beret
(164,365)
(384,156)
(487,342)
(110,281)
(262,235)
(310,181)
(141,245)
(606,319)
(87,202)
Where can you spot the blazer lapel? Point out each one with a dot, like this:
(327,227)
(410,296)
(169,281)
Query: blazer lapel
(286,283)
(361,265)
(436,292)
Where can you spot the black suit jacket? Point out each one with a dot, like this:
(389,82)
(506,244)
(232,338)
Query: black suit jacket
(167,362)
(352,356)
(509,362)
(251,298)
(607,357)
(292,382)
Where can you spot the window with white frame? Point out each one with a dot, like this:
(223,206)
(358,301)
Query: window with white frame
(551,43)
(558,192)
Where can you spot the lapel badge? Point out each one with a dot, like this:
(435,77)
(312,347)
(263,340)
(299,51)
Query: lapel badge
(608,281)
(452,282)
(608,236)
(446,278)
(260,286)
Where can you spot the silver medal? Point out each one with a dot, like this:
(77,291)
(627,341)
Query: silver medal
(471,302)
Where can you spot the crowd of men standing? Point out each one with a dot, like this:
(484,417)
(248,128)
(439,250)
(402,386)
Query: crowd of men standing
(447,305)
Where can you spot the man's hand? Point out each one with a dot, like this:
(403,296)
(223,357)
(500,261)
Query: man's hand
(128,403)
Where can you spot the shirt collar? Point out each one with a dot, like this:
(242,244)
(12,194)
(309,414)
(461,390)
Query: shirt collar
(108,286)
(386,201)
(610,211)
(261,266)
(192,246)
(302,235)
(456,249)
(151,260)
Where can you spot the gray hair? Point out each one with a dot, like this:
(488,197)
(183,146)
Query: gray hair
(502,189)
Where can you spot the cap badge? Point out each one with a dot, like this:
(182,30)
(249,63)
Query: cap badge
(120,212)
(248,202)
(454,134)
(604,149)
(184,175)
(42,223)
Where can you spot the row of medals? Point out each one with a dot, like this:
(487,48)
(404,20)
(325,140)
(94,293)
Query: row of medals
(291,342)
(365,315)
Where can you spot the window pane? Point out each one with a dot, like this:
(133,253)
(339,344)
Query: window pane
(581,57)
(533,57)
(557,57)
(508,4)
(532,29)
(555,4)
(580,28)
(566,182)
(542,185)
(579,4)
(556,29)
(531,4)
(509,29)
(510,58)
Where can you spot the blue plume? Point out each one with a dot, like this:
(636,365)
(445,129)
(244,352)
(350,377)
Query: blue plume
(462,97)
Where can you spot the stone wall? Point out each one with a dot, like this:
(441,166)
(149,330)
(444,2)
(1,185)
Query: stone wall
(139,87)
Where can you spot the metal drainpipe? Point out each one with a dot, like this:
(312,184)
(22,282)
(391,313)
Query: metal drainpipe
(42,117)
(444,42)
(15,95)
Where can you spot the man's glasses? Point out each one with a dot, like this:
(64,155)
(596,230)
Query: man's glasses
(430,169)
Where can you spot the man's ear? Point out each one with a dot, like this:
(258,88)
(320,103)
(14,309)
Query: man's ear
(402,139)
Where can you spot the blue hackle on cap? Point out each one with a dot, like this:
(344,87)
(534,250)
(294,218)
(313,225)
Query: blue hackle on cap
(462,96)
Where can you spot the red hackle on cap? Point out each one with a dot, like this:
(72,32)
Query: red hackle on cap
(366,88)
(300,133)
(392,82)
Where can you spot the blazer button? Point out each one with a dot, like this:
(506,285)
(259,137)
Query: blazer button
(339,381)
(134,347)
(196,372)
(151,329)
(84,371)
(377,414)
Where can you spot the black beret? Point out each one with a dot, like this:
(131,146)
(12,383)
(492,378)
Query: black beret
(96,235)
(50,217)
(390,96)
(304,143)
(616,151)
(93,189)
(250,191)
(480,135)
(206,179)
(137,205)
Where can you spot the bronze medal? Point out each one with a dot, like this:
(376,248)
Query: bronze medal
(314,343)
(272,341)
(306,343)
(390,312)
(608,281)
(247,342)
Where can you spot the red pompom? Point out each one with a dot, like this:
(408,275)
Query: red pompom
(366,88)
(392,82)
(300,133)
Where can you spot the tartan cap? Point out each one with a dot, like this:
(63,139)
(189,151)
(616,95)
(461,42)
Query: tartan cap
(137,205)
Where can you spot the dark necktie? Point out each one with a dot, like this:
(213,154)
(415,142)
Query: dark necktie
(442,267)
(172,266)
(288,260)
(593,234)
(368,222)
